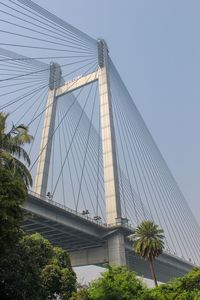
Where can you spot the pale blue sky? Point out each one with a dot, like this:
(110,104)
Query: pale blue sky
(156,47)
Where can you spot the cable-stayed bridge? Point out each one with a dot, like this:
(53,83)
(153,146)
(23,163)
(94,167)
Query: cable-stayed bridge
(98,172)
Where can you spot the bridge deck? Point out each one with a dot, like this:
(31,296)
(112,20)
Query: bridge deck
(84,238)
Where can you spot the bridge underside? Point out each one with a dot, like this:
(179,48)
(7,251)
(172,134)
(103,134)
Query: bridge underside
(166,266)
(61,227)
(67,238)
(87,241)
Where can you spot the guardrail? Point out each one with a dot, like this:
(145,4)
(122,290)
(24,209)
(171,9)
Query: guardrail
(85,217)
(50,201)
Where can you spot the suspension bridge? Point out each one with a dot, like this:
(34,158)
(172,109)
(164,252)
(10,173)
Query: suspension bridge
(97,170)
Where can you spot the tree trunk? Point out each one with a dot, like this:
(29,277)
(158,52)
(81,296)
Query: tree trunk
(153,272)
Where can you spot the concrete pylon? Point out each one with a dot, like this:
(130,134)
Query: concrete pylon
(41,177)
(115,243)
(111,180)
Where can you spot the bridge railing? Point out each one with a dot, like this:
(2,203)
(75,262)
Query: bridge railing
(98,221)
(64,207)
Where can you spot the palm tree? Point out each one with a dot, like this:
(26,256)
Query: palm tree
(12,151)
(148,243)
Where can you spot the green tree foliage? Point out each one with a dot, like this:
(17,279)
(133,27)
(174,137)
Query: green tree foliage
(82,294)
(35,270)
(57,276)
(148,243)
(14,180)
(13,192)
(181,288)
(12,150)
(116,284)
(119,284)
(30,267)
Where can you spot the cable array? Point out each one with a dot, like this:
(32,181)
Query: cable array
(24,85)
(148,190)
(147,173)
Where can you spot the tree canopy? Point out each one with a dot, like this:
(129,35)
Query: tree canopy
(148,243)
(36,270)
(181,288)
(13,192)
(14,179)
(148,240)
(12,150)
(117,283)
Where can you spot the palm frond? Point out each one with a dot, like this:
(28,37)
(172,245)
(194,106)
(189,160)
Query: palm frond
(12,150)
(148,240)
(3,118)
(17,168)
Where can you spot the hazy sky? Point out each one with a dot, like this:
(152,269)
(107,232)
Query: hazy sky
(155,46)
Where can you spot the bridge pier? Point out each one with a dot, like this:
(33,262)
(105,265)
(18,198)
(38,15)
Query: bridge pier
(89,256)
(116,249)
(112,252)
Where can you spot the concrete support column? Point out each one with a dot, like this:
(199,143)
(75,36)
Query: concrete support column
(116,249)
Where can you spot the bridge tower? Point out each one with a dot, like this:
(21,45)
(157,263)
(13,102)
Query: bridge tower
(42,172)
(116,250)
(115,241)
